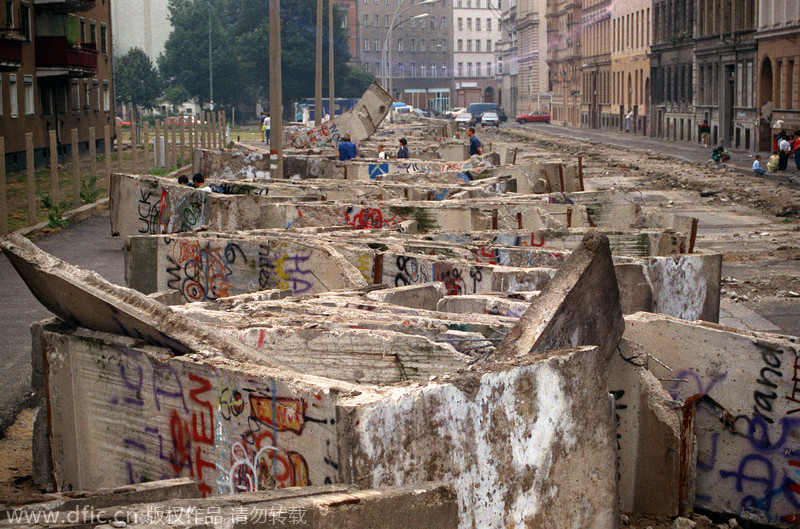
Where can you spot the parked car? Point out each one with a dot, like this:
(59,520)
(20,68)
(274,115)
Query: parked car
(451,114)
(123,122)
(464,118)
(477,110)
(537,116)
(405,109)
(490,118)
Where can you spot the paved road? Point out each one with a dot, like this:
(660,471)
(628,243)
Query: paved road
(87,244)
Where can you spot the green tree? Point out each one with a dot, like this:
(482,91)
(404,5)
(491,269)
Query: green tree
(176,95)
(240,38)
(136,79)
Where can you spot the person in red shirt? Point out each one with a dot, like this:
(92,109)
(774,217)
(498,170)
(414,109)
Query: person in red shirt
(796,149)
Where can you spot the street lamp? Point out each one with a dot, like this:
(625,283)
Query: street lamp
(387,76)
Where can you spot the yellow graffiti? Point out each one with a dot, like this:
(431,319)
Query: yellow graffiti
(364,265)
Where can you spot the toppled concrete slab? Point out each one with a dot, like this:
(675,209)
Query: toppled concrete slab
(493,435)
(579,306)
(747,467)
(324,507)
(360,122)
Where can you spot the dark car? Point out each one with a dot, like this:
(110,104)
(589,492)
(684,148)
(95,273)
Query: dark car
(537,116)
(477,110)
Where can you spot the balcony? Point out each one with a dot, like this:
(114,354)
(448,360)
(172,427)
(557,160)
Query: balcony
(66,6)
(56,57)
(10,49)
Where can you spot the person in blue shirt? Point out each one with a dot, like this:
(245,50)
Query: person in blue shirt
(757,169)
(474,143)
(347,149)
(402,152)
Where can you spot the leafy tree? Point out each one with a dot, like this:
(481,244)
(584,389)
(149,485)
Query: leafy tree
(176,95)
(240,38)
(136,79)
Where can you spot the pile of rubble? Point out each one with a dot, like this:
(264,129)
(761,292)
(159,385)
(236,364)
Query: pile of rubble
(445,341)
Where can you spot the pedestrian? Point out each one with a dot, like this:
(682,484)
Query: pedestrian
(757,169)
(705,133)
(381,153)
(474,143)
(199,182)
(267,123)
(772,164)
(628,120)
(784,148)
(796,149)
(261,124)
(402,152)
(347,149)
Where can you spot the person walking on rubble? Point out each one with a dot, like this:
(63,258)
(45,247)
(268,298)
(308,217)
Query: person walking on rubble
(628,120)
(705,133)
(475,147)
(784,149)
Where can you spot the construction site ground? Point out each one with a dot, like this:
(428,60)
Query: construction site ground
(753,221)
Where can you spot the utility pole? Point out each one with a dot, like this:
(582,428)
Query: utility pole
(330,58)
(275,91)
(210,64)
(318,83)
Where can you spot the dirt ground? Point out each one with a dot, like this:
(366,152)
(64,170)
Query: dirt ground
(765,253)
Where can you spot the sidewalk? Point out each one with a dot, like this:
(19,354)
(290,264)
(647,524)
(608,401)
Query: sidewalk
(682,150)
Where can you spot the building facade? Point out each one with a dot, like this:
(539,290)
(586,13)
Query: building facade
(564,59)
(672,71)
(142,24)
(725,71)
(596,63)
(631,36)
(533,91)
(507,60)
(418,57)
(349,9)
(475,35)
(56,75)
(778,63)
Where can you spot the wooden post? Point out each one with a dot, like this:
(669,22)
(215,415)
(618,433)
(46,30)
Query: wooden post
(172,154)
(202,139)
(580,172)
(146,142)
(76,171)
(494,219)
(276,90)
(54,191)
(693,236)
(134,148)
(209,142)
(31,180)
(561,178)
(107,144)
(569,217)
(92,152)
(158,152)
(519,220)
(214,130)
(183,141)
(192,133)
(223,129)
(3,200)
(118,138)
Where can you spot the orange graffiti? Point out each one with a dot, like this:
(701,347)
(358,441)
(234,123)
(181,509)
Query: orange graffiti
(289,413)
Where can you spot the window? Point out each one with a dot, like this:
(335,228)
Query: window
(83,30)
(478,69)
(98,103)
(422,23)
(469,69)
(469,44)
(488,69)
(25,20)
(106,96)
(444,45)
(9,14)
(413,22)
(400,68)
(86,95)
(399,44)
(366,44)
(413,69)
(30,104)
(104,39)
(489,45)
(93,32)
(488,24)
(423,70)
(365,23)
(433,22)
(413,45)
(443,23)
(433,70)
(460,23)
(477,45)
(386,20)
(460,45)
(460,69)
(469,23)
(377,45)
(444,70)
(345,22)
(12,95)
(478,24)
(422,45)
(377,21)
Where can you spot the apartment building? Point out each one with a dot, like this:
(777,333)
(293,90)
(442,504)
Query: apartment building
(631,36)
(408,43)
(596,63)
(672,70)
(564,59)
(142,24)
(349,8)
(778,93)
(506,50)
(475,35)
(55,75)
(533,91)
(725,51)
